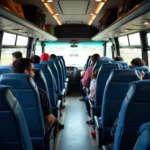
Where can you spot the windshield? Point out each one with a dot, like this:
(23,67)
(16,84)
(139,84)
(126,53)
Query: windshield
(75,56)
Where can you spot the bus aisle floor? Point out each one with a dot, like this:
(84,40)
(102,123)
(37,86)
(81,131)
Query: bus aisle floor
(76,134)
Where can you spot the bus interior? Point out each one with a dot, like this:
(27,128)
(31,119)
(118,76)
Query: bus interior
(75,30)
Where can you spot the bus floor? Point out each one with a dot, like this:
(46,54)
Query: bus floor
(76,134)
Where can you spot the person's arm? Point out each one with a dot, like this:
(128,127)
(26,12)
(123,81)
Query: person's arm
(87,77)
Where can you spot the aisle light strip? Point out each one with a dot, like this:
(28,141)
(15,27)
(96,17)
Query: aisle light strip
(52,13)
(97,10)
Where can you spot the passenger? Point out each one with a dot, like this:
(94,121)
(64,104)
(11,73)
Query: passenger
(88,73)
(118,58)
(44,57)
(16,55)
(53,56)
(25,65)
(91,95)
(137,62)
(35,59)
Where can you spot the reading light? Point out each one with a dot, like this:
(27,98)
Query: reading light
(92,14)
(146,22)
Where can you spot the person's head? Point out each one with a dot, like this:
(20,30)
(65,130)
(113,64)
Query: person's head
(35,59)
(23,65)
(16,55)
(118,58)
(53,56)
(95,58)
(44,57)
(94,74)
(137,62)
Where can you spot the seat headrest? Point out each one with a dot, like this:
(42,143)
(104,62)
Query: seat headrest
(44,67)
(17,81)
(38,74)
(104,58)
(102,62)
(124,75)
(141,92)
(142,68)
(105,68)
(5,69)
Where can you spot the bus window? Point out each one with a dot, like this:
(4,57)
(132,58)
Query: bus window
(38,49)
(76,56)
(148,39)
(22,41)
(109,49)
(129,53)
(11,37)
(134,39)
(123,41)
(6,54)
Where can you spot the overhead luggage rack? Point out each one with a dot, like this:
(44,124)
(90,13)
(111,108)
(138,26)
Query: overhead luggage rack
(133,21)
(10,22)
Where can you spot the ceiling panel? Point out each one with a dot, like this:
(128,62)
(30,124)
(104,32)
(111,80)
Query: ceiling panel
(74,7)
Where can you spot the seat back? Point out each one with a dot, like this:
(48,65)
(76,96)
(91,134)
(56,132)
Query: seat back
(62,69)
(142,68)
(14,133)
(101,80)
(98,64)
(143,141)
(59,72)
(50,82)
(5,69)
(88,62)
(122,63)
(118,82)
(28,97)
(104,58)
(134,112)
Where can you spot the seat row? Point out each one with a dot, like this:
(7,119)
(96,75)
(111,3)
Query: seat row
(25,89)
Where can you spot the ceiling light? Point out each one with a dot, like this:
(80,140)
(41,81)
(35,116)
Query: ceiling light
(47,1)
(92,14)
(56,14)
(116,34)
(126,30)
(98,0)
(30,34)
(146,22)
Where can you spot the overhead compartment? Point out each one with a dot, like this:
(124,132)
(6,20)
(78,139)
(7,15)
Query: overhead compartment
(10,22)
(136,20)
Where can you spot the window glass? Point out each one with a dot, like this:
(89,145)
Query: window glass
(22,41)
(38,49)
(8,39)
(148,39)
(128,54)
(149,58)
(109,49)
(134,39)
(76,56)
(6,54)
(123,41)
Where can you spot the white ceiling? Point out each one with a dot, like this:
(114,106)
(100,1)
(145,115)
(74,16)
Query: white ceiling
(72,11)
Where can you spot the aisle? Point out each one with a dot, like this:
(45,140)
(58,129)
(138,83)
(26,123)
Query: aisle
(76,134)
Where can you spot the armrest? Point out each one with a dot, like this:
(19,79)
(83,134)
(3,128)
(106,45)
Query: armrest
(67,79)
(97,122)
(105,147)
(59,104)
(63,91)
(91,104)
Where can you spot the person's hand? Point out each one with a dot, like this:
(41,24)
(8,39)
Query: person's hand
(82,73)
(142,74)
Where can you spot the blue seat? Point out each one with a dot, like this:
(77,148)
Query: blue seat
(28,96)
(124,64)
(142,68)
(118,82)
(135,111)
(143,141)
(104,58)
(101,80)
(98,64)
(5,69)
(14,134)
(50,83)
(41,82)
(88,62)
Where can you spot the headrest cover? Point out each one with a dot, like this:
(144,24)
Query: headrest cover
(106,68)
(17,81)
(142,68)
(124,75)
(5,69)
(43,66)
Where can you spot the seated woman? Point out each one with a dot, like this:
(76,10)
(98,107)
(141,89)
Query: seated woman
(85,82)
